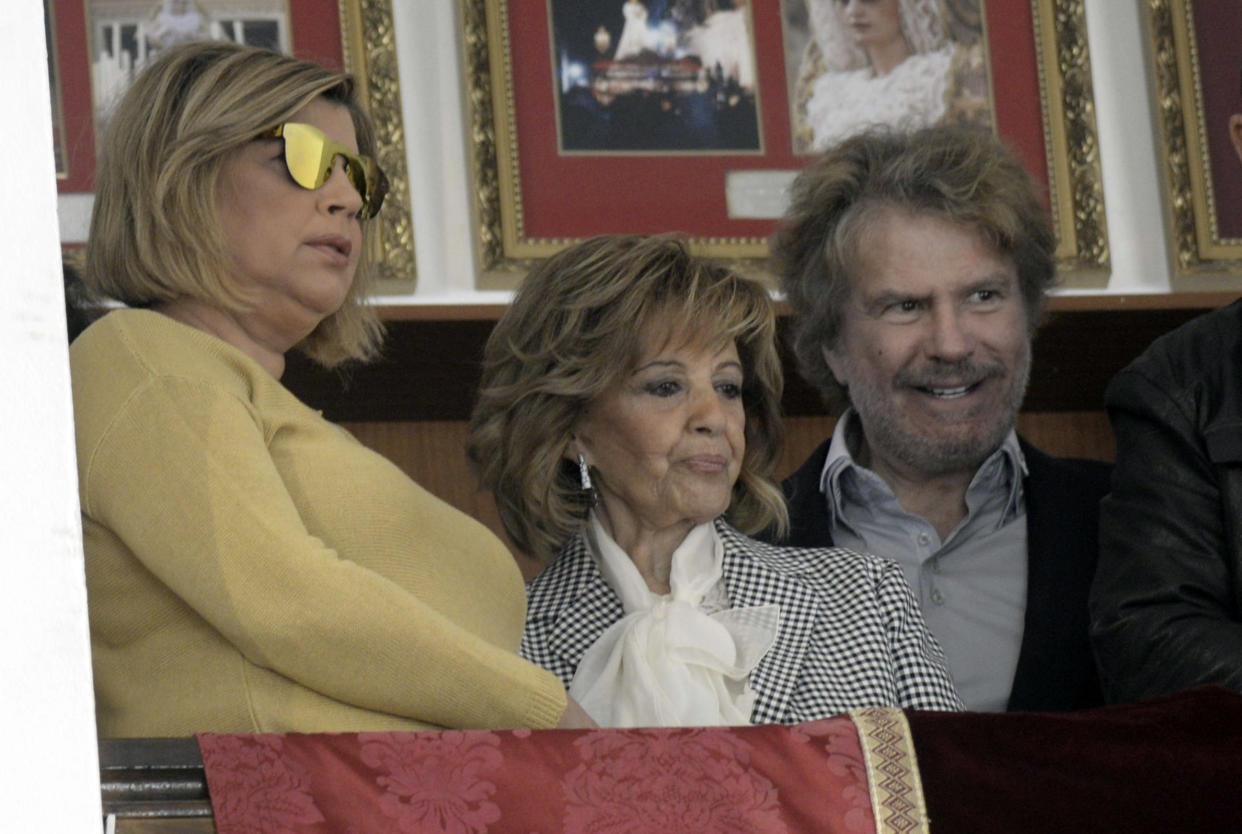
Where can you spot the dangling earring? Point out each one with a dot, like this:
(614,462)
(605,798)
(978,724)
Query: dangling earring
(584,476)
(584,472)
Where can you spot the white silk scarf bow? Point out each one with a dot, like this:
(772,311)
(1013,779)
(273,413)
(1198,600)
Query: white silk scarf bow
(667,662)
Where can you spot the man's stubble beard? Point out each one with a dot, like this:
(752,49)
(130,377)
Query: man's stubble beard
(884,428)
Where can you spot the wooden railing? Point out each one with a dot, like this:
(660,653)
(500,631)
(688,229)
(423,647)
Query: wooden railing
(1169,764)
(154,786)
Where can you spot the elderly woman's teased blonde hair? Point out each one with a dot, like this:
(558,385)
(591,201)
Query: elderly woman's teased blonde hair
(155,235)
(576,329)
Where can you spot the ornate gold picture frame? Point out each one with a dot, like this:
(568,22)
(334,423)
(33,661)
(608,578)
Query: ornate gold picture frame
(1195,73)
(531,199)
(370,53)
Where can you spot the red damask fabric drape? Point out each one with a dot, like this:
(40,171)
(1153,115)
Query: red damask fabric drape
(1169,765)
(809,777)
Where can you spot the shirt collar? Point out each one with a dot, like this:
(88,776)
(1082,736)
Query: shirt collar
(1004,469)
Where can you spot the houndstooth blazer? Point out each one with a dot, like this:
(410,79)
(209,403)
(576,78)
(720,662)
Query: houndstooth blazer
(850,636)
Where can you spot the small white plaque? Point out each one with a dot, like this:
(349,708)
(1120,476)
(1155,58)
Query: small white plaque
(757,195)
(74,213)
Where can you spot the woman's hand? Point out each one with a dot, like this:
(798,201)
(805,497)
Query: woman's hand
(575,717)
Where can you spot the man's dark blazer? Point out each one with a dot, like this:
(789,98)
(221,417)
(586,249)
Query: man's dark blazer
(1056,670)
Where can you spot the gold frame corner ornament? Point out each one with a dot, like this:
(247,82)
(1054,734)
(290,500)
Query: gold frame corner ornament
(1068,116)
(370,52)
(485,53)
(1201,258)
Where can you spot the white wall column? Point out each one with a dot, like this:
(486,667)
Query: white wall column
(48,763)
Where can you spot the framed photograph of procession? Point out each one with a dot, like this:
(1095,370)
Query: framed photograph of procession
(693,116)
(98,46)
(1195,70)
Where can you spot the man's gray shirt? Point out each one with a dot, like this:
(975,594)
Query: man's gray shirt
(971,586)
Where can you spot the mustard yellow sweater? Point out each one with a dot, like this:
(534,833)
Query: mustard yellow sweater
(252,568)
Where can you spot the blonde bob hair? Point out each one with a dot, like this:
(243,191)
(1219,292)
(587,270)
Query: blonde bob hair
(155,234)
(575,330)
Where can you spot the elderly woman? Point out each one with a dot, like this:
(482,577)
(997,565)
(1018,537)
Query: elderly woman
(628,425)
(883,62)
(250,566)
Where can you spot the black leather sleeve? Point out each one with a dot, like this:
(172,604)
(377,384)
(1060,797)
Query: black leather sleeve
(1163,603)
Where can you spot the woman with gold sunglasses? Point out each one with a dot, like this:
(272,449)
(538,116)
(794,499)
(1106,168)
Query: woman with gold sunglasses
(250,566)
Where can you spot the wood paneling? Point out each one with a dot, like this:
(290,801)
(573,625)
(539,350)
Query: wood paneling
(430,368)
(1064,434)
(1069,434)
(433,454)
(413,404)
(802,435)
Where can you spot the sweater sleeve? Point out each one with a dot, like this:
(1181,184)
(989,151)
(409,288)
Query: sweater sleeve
(922,679)
(183,475)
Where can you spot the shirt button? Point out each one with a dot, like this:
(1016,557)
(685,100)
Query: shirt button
(937,597)
(935,565)
(924,538)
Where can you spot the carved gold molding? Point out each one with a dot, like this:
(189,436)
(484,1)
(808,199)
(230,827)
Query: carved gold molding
(477,54)
(1202,258)
(1075,179)
(1167,72)
(371,56)
(1075,182)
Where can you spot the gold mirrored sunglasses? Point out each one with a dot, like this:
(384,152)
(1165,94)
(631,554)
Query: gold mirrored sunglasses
(310,155)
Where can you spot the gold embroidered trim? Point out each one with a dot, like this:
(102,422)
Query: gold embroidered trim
(892,771)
